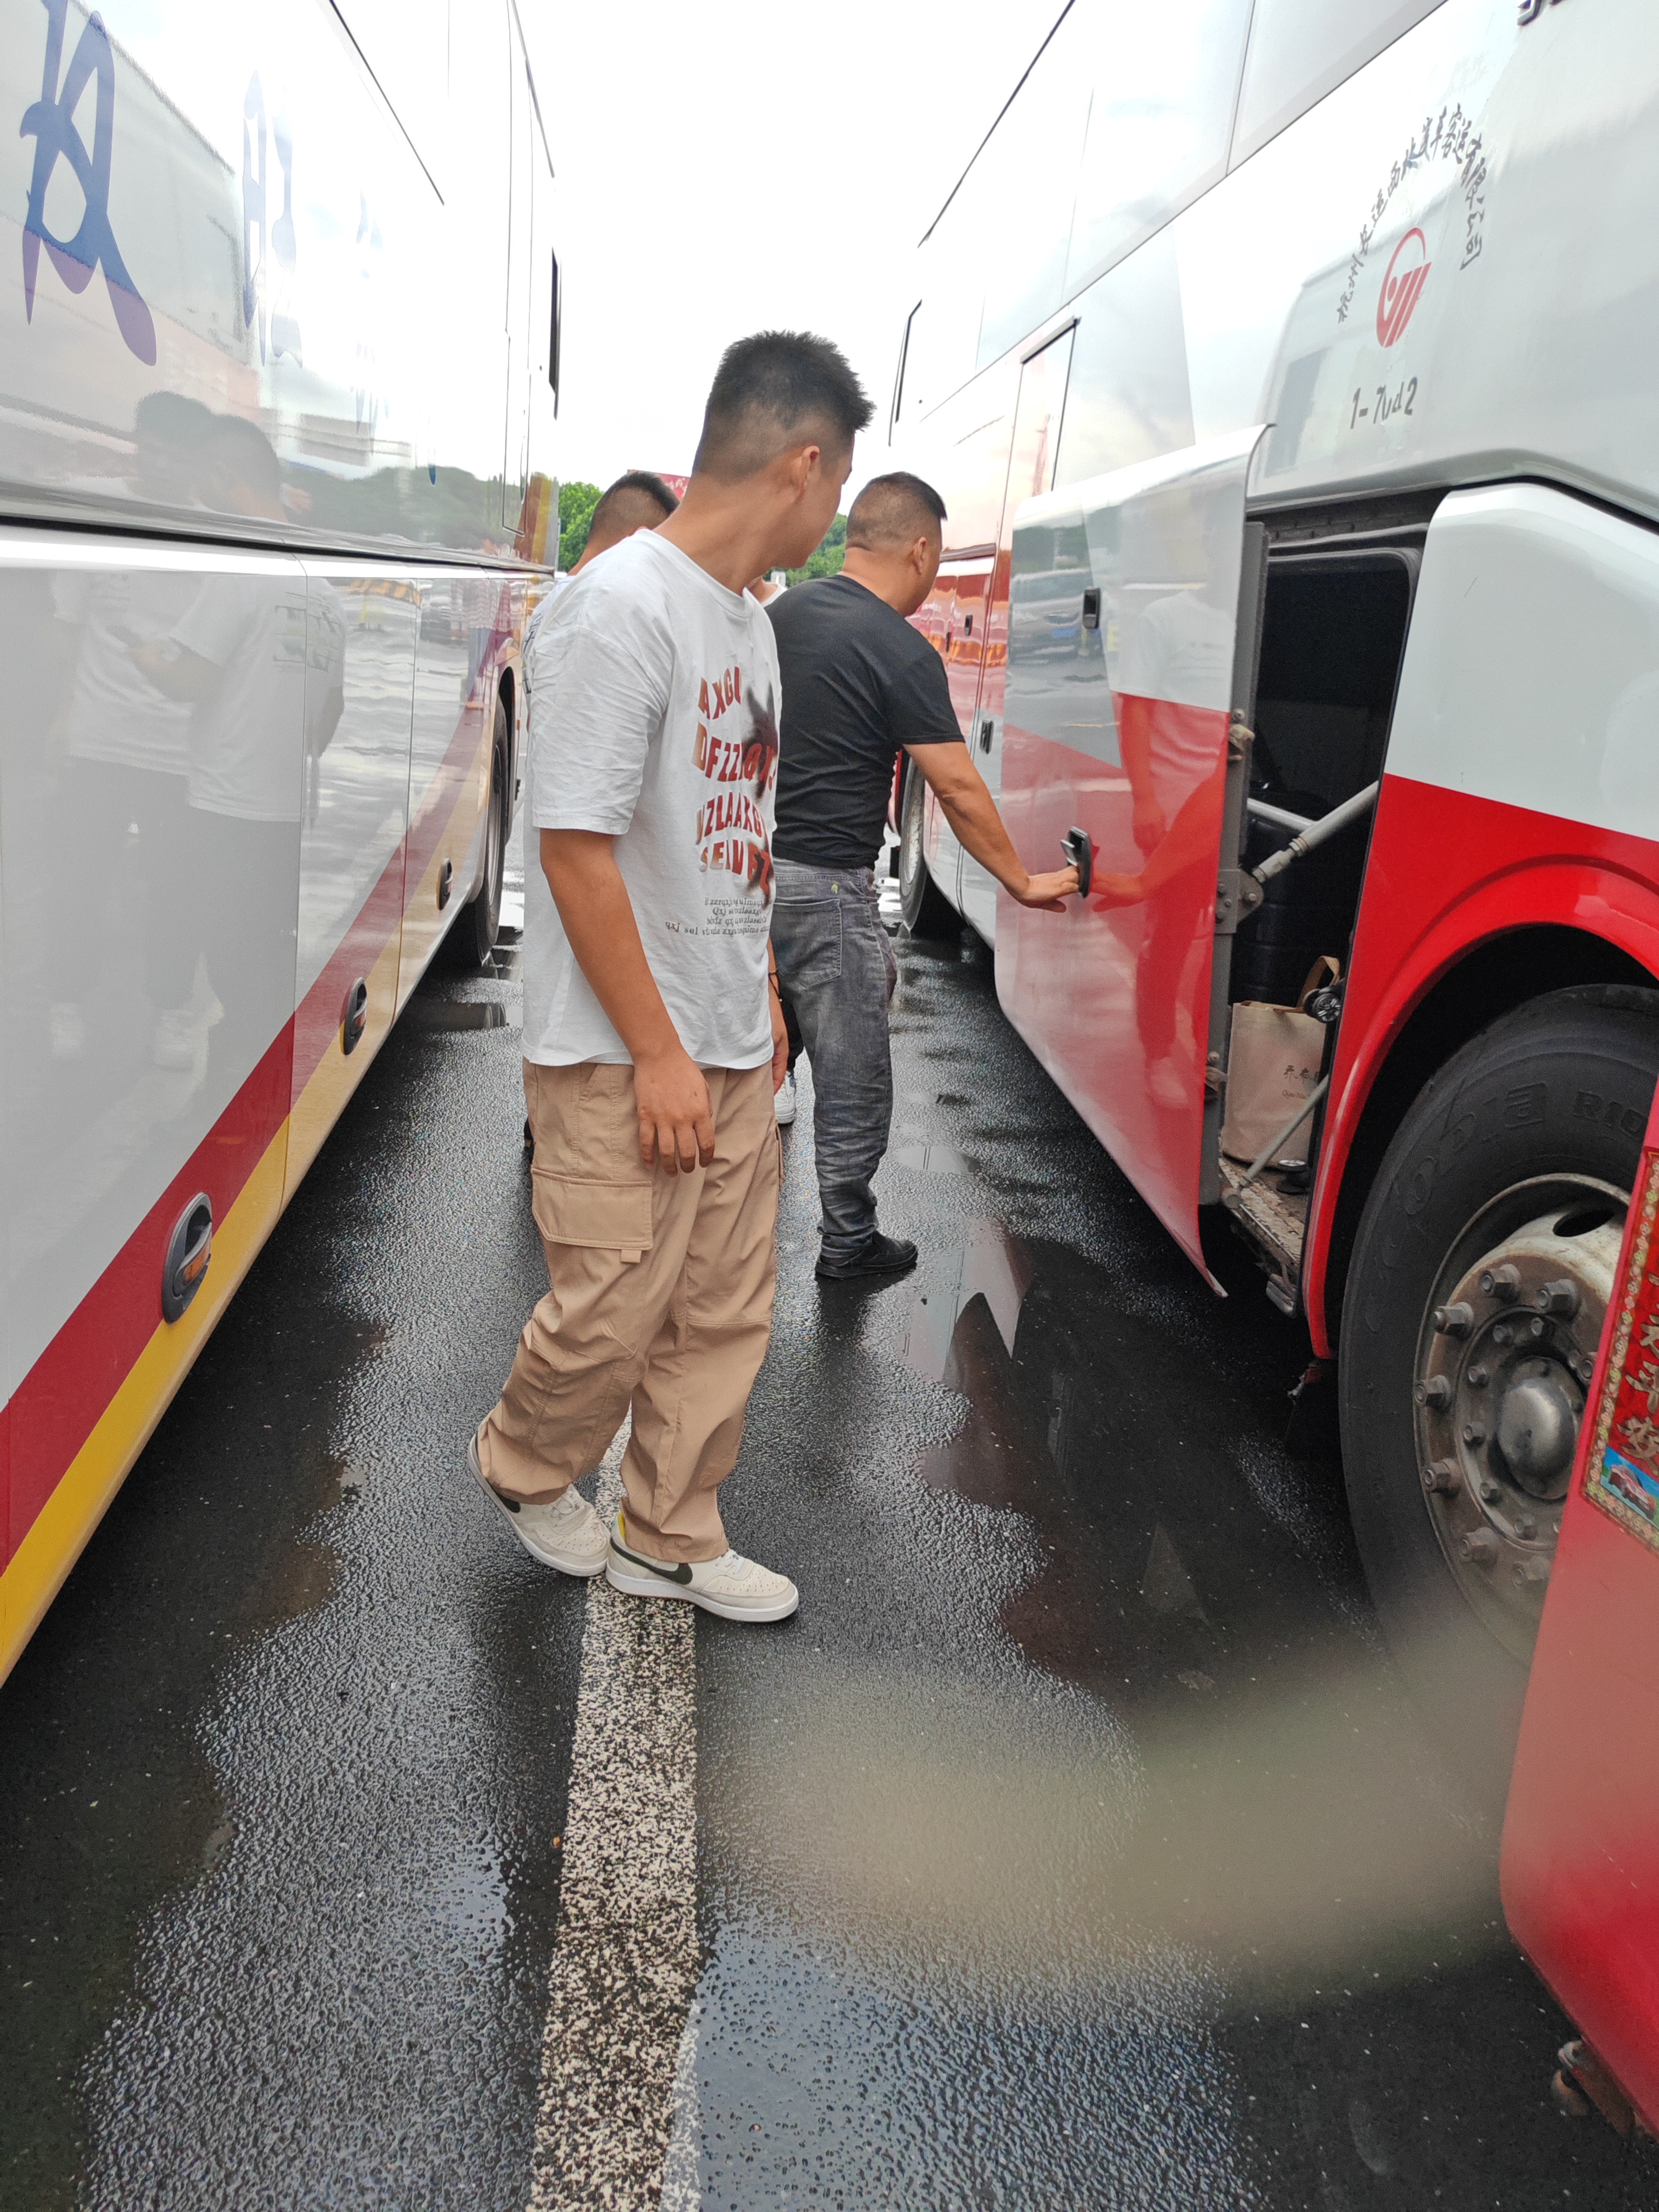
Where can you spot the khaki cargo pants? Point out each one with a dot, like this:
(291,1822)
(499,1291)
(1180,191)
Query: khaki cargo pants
(661,1299)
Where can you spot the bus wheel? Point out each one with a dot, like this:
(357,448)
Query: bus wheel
(1480,1278)
(476,929)
(927,911)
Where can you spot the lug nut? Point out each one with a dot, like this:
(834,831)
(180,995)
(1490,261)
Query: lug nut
(1502,1283)
(1480,1547)
(1502,1333)
(1560,1298)
(1491,1491)
(1530,1574)
(1443,1475)
(1454,1321)
(1474,1432)
(1584,1369)
(1479,1377)
(1535,1329)
(1436,1392)
(1525,1525)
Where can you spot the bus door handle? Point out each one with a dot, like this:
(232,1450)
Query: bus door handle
(985,730)
(1091,607)
(1080,854)
(189,1249)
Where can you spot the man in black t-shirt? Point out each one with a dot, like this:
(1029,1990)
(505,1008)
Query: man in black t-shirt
(859,683)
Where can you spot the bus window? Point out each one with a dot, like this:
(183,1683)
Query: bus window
(405,43)
(1026,186)
(1300,50)
(1165,80)
(1130,399)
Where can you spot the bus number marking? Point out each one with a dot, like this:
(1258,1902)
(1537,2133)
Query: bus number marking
(1385,405)
(1532,9)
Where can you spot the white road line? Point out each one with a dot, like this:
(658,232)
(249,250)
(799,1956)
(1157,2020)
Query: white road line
(625,1959)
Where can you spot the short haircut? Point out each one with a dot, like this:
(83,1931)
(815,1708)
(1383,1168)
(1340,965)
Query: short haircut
(243,452)
(776,390)
(894,510)
(638,500)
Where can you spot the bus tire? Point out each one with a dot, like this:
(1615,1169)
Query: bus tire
(927,911)
(480,921)
(1461,1388)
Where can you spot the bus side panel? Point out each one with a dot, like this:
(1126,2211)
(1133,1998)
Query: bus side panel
(150,791)
(464,630)
(954,617)
(1030,470)
(1522,780)
(362,627)
(1126,739)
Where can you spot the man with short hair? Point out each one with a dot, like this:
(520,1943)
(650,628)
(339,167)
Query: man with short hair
(859,683)
(638,500)
(654,1041)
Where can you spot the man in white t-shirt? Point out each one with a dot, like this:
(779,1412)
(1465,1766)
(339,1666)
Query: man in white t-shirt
(653,1043)
(638,500)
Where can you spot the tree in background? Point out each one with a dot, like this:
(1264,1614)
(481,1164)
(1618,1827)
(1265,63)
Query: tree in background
(827,561)
(576,504)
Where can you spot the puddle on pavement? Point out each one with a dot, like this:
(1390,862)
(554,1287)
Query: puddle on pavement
(1244,1787)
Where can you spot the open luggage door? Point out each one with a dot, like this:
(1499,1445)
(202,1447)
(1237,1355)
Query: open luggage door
(1121,729)
(1581,1837)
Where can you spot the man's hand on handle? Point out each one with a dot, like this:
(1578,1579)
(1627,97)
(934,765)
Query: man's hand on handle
(971,812)
(1050,891)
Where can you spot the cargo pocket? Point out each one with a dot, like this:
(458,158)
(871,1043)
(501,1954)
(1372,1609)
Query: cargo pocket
(610,1216)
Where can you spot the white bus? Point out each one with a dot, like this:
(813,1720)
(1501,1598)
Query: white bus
(278,367)
(1287,369)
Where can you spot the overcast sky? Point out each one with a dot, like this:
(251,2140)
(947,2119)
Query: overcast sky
(723,169)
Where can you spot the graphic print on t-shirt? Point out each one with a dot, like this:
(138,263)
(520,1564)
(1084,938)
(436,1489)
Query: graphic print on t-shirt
(732,832)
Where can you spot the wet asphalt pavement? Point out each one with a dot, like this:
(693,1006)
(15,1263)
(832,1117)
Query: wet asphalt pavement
(1074,1846)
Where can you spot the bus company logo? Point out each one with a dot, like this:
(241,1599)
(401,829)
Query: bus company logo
(1402,286)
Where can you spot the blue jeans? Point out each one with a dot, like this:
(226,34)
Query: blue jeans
(838,970)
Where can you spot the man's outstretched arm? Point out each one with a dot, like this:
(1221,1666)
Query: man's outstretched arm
(972,813)
(677,1122)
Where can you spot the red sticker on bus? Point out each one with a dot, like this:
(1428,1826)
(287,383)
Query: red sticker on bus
(1621,1473)
(1402,283)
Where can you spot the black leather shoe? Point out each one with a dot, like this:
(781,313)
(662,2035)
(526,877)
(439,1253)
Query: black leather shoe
(882,1255)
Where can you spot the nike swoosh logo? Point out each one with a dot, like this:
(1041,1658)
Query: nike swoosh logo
(679,1574)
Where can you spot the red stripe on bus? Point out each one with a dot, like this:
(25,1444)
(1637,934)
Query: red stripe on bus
(62,1397)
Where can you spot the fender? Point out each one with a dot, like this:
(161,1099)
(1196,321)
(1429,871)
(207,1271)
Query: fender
(1449,874)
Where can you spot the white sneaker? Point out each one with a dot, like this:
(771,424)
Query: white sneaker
(735,1588)
(568,1534)
(783,1100)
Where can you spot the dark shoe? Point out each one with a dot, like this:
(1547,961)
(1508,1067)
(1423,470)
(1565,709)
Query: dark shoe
(882,1255)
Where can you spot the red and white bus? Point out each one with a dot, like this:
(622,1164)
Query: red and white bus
(278,364)
(1287,371)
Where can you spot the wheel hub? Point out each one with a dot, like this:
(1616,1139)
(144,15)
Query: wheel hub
(1503,1361)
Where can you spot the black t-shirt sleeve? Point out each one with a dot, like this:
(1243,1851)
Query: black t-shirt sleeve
(918,709)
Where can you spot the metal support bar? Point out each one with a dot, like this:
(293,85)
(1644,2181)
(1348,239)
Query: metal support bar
(1265,1157)
(1280,817)
(1325,827)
